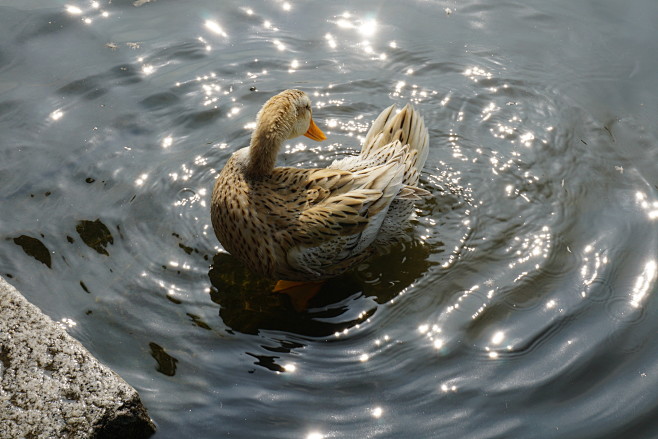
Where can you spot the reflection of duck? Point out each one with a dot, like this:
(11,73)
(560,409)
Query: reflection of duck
(247,304)
(313,224)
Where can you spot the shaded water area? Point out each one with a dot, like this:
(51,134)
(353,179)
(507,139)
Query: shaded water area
(524,306)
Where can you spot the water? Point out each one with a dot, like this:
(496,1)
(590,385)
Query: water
(524,307)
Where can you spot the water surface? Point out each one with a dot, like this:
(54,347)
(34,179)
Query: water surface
(524,305)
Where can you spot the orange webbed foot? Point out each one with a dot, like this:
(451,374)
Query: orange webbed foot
(300,293)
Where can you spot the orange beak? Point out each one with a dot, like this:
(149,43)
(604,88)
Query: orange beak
(314,132)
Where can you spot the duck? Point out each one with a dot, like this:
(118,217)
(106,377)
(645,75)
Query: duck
(301,225)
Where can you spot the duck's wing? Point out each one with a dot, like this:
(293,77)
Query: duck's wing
(343,203)
(341,217)
(337,215)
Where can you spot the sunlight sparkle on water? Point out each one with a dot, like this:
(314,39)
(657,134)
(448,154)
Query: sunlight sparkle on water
(377,412)
(330,40)
(475,73)
(650,207)
(56,115)
(315,435)
(73,10)
(368,28)
(510,190)
(67,323)
(489,110)
(644,283)
(345,24)
(527,138)
(365,27)
(142,178)
(498,337)
(213,26)
(446,388)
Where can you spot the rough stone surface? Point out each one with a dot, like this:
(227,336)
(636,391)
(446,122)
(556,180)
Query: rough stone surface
(52,387)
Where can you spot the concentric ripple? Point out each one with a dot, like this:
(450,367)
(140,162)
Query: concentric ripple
(523,304)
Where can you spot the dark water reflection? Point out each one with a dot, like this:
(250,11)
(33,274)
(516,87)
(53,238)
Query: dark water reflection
(248,305)
(523,306)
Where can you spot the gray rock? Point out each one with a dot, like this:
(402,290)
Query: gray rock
(52,387)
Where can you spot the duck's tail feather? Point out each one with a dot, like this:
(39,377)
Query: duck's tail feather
(407,127)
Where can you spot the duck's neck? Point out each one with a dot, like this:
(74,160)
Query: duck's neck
(262,156)
(263,149)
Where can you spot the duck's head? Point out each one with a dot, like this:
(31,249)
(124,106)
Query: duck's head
(284,116)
